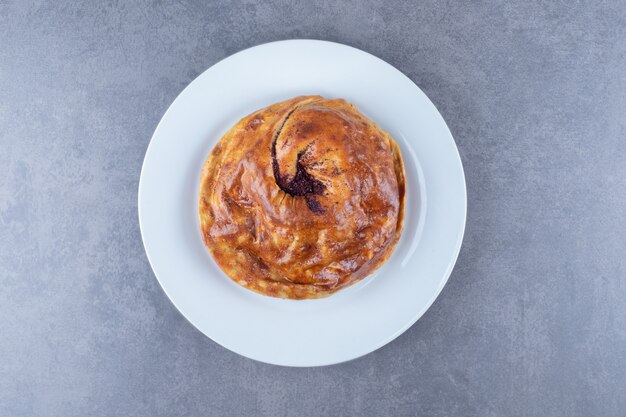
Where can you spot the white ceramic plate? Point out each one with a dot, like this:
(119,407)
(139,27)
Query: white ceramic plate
(359,319)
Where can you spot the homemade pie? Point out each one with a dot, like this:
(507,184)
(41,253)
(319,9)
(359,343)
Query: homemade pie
(302,198)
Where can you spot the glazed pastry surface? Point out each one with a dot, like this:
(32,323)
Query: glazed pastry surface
(302,198)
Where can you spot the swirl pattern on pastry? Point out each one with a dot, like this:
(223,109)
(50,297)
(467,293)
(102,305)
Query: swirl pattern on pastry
(302,198)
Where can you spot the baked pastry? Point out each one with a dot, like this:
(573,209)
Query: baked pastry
(302,198)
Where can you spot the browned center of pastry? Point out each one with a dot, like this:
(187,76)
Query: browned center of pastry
(302,198)
(301,183)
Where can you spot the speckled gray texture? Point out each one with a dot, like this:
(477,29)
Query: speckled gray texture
(533,319)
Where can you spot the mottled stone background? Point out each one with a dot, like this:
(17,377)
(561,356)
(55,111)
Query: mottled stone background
(533,319)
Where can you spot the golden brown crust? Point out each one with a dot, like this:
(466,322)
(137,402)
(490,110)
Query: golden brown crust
(302,198)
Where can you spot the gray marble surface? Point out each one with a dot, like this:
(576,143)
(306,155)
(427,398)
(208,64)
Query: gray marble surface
(533,319)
